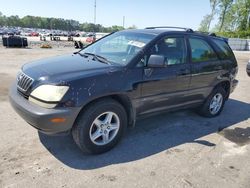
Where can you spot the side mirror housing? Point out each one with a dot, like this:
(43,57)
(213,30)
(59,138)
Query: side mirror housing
(156,61)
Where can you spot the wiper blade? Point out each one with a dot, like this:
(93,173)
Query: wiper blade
(83,55)
(98,57)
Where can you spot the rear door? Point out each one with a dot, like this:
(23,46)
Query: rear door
(164,88)
(205,68)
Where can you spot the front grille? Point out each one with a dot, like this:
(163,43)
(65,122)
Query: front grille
(24,82)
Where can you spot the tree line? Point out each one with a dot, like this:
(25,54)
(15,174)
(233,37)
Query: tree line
(233,18)
(55,23)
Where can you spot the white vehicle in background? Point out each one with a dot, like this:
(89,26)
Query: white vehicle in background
(45,34)
(100,35)
(25,34)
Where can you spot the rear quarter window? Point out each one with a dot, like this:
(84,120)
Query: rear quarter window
(201,51)
(225,51)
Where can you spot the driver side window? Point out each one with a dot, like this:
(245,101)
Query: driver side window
(172,48)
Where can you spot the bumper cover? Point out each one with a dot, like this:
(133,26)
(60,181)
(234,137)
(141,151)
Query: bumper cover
(40,117)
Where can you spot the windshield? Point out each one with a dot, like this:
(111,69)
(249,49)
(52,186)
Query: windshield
(119,47)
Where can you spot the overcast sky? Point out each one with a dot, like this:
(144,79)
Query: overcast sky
(142,13)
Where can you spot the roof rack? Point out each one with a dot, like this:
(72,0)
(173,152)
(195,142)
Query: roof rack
(212,34)
(170,27)
(207,33)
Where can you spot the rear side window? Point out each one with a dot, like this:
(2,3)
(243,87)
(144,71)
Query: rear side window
(225,51)
(201,51)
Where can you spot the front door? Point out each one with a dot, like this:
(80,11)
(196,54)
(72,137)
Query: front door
(164,88)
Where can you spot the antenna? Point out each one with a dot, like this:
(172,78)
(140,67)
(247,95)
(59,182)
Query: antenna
(123,22)
(95,12)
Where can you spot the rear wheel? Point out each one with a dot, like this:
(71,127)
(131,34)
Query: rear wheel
(214,103)
(100,127)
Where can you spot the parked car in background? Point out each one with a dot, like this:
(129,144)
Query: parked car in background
(98,92)
(9,31)
(248,68)
(1,32)
(34,34)
(91,39)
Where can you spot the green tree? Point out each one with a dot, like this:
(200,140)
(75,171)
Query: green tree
(132,27)
(3,20)
(207,19)
(243,13)
(54,23)
(204,25)
(233,18)
(28,21)
(224,7)
(213,4)
(13,20)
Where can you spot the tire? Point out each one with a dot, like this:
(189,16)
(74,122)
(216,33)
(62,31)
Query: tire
(207,110)
(89,129)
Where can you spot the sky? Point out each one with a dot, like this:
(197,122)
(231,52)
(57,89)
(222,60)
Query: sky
(142,13)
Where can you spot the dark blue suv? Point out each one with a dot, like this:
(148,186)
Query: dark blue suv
(98,92)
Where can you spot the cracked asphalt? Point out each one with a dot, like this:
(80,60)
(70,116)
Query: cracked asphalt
(179,149)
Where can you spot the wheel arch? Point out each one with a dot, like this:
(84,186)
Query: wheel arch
(123,99)
(226,86)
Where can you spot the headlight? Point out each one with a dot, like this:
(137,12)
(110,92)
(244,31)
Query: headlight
(47,95)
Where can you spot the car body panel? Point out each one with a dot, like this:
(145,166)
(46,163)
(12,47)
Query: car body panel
(164,87)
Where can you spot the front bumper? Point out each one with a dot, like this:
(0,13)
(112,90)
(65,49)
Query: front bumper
(39,117)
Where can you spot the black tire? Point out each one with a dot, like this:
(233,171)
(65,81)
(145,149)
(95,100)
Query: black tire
(82,126)
(204,110)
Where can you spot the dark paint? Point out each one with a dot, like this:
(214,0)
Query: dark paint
(145,90)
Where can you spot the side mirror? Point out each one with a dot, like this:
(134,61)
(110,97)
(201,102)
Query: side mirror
(156,61)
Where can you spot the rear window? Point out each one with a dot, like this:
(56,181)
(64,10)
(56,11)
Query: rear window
(225,51)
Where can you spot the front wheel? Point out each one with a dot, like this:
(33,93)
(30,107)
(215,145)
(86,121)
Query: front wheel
(214,103)
(100,127)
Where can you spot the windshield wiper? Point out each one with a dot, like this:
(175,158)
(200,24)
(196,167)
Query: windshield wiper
(97,57)
(78,52)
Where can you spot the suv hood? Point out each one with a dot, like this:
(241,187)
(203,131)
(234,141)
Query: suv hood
(64,67)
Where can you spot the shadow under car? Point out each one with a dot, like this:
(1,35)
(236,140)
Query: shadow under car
(150,136)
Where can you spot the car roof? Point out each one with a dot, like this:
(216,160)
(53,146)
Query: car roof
(152,31)
(159,31)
